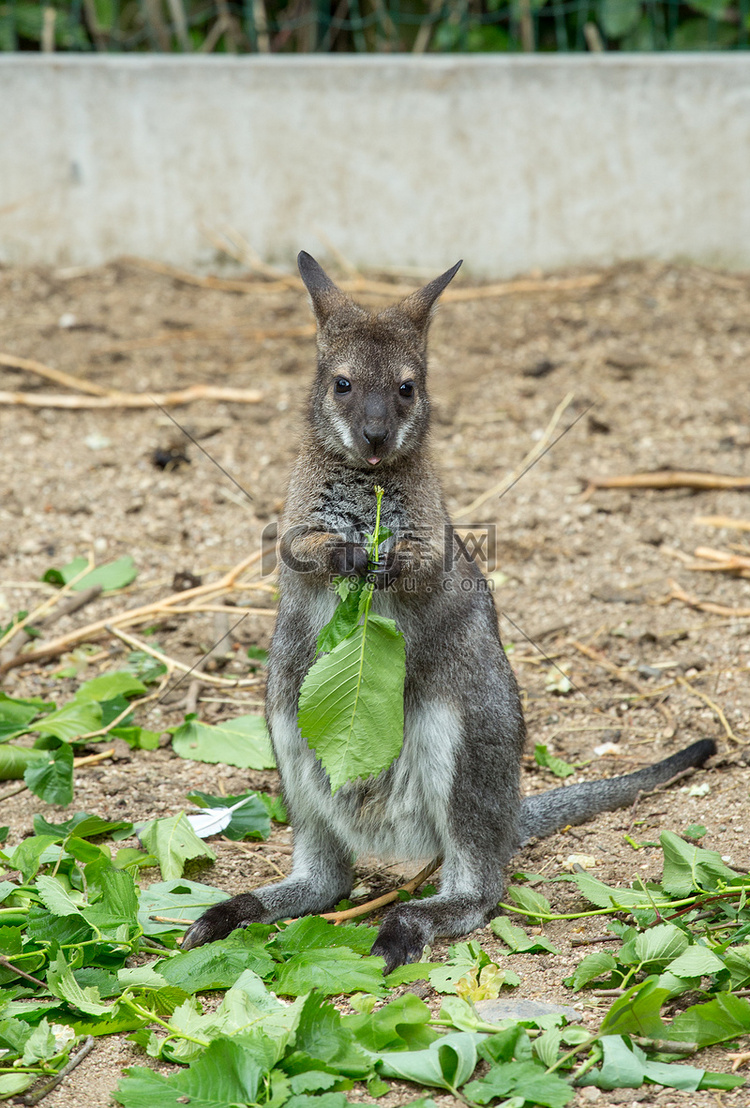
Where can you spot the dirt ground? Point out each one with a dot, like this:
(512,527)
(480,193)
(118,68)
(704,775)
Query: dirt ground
(655,356)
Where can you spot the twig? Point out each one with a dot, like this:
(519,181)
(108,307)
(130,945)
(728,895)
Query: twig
(93,759)
(723,521)
(207,334)
(209,679)
(21,973)
(246,284)
(134,616)
(34,1098)
(666,1046)
(57,375)
(714,708)
(41,612)
(601,660)
(247,849)
(387,898)
(376,288)
(679,593)
(536,451)
(590,942)
(132,399)
(77,601)
(642,795)
(670,479)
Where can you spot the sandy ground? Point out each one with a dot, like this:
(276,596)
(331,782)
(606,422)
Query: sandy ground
(654,356)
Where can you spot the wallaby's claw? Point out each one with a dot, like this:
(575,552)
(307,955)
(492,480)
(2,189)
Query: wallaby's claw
(386,570)
(399,941)
(222,919)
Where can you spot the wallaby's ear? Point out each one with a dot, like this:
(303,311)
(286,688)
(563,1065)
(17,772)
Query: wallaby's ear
(419,305)
(324,294)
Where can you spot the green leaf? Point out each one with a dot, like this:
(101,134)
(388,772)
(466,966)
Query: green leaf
(15,760)
(532,902)
(61,983)
(526,1079)
(139,738)
(400,1025)
(345,617)
(619,16)
(446,1063)
(56,897)
(250,821)
(332,971)
(696,961)
(517,939)
(637,1012)
(688,867)
(116,902)
(542,757)
(111,575)
(737,961)
(604,896)
(85,825)
(173,842)
(660,944)
(312,932)
(52,779)
(724,1017)
(240,742)
(71,721)
(27,855)
(16,714)
(351,707)
(178,899)
(110,685)
(224,1075)
(593,966)
(217,965)
(11,1084)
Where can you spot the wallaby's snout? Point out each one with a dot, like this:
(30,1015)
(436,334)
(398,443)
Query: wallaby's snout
(375,429)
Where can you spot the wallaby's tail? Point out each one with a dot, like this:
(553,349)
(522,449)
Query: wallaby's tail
(546,812)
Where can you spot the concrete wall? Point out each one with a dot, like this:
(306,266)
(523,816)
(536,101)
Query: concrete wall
(512,163)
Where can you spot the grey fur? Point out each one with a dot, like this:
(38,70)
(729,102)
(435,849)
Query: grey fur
(454,789)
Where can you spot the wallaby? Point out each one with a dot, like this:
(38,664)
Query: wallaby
(454,789)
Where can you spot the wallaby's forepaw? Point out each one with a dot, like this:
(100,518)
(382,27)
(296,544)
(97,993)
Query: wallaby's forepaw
(222,919)
(387,570)
(348,559)
(399,941)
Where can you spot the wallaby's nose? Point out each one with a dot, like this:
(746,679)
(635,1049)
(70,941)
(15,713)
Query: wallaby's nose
(375,433)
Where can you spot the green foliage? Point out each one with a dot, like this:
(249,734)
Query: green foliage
(239,742)
(487,26)
(111,576)
(351,706)
(542,757)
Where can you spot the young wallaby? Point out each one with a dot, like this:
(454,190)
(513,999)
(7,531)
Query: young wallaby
(454,790)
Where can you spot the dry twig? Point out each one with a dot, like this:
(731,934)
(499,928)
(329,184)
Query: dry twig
(533,455)
(387,898)
(134,616)
(669,479)
(34,1098)
(723,521)
(626,679)
(679,593)
(714,708)
(132,399)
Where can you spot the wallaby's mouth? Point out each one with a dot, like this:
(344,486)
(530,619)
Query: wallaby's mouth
(373,461)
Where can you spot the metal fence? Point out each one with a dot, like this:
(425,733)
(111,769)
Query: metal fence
(368,26)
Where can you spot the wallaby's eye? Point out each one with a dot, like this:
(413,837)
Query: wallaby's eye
(341,384)
(406,390)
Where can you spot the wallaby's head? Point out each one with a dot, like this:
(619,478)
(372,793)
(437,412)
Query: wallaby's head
(369,403)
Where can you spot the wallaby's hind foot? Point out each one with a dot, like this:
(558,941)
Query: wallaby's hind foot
(547,812)
(222,919)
